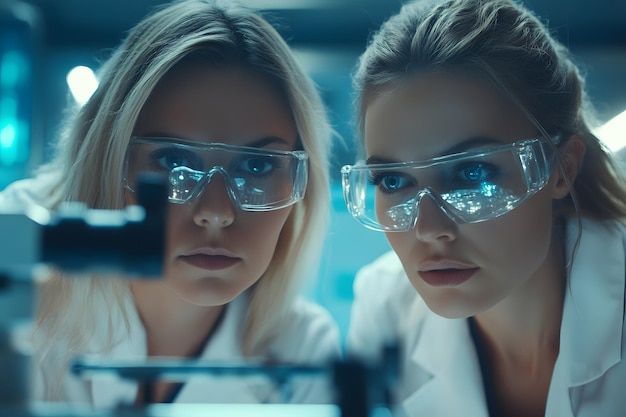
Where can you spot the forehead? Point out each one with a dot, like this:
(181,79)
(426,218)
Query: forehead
(216,104)
(428,113)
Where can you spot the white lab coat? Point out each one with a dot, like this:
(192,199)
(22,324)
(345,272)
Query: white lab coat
(440,370)
(19,194)
(311,337)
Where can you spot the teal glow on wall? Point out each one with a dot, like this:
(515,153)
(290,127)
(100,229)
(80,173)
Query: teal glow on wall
(16,90)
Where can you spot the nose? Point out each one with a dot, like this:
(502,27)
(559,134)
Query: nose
(213,207)
(433,224)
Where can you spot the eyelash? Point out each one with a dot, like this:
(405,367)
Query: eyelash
(488,172)
(268,161)
(458,175)
(159,159)
(378,177)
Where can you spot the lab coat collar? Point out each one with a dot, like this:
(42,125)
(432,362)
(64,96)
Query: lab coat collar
(591,335)
(455,387)
(108,390)
(593,313)
(591,331)
(224,347)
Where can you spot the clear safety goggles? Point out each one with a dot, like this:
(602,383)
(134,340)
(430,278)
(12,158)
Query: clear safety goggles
(256,179)
(469,187)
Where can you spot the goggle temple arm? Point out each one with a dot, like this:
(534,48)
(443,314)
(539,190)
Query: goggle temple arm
(537,161)
(301,179)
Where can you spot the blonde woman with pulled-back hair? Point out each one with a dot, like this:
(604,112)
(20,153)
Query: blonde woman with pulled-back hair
(211,94)
(505,286)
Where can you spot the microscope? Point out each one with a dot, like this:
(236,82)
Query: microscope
(74,240)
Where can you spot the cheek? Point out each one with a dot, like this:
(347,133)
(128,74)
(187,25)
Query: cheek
(258,237)
(174,220)
(179,224)
(515,243)
(518,241)
(263,231)
(403,243)
(130,198)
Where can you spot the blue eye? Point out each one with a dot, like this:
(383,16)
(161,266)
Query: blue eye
(166,159)
(475,172)
(389,181)
(258,165)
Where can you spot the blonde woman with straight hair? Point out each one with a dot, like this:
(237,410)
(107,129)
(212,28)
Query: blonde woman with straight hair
(210,94)
(505,287)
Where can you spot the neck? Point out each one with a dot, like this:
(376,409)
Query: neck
(174,326)
(524,328)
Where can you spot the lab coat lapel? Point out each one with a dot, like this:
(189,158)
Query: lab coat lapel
(591,331)
(108,390)
(225,347)
(591,337)
(455,388)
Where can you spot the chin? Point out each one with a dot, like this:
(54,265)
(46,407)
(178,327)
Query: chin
(455,307)
(207,294)
(452,313)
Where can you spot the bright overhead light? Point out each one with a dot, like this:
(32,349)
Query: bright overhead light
(613,132)
(82,83)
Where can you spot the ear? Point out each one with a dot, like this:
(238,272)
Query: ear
(571,154)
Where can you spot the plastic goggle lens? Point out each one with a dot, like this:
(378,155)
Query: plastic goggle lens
(256,179)
(469,187)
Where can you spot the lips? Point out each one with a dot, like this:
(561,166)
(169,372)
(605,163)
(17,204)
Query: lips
(211,259)
(446,273)
(210,262)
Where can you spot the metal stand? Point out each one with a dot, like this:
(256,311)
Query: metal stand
(360,386)
(132,242)
(75,240)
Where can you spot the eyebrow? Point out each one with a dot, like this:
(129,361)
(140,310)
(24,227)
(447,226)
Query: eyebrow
(260,143)
(463,146)
(257,143)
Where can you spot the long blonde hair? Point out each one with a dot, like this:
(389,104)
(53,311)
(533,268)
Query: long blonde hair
(505,42)
(90,157)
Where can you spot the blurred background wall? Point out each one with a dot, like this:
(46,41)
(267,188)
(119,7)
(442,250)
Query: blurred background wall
(328,36)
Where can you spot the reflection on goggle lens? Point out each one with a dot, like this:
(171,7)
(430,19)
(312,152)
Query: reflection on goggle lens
(469,187)
(491,199)
(256,179)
